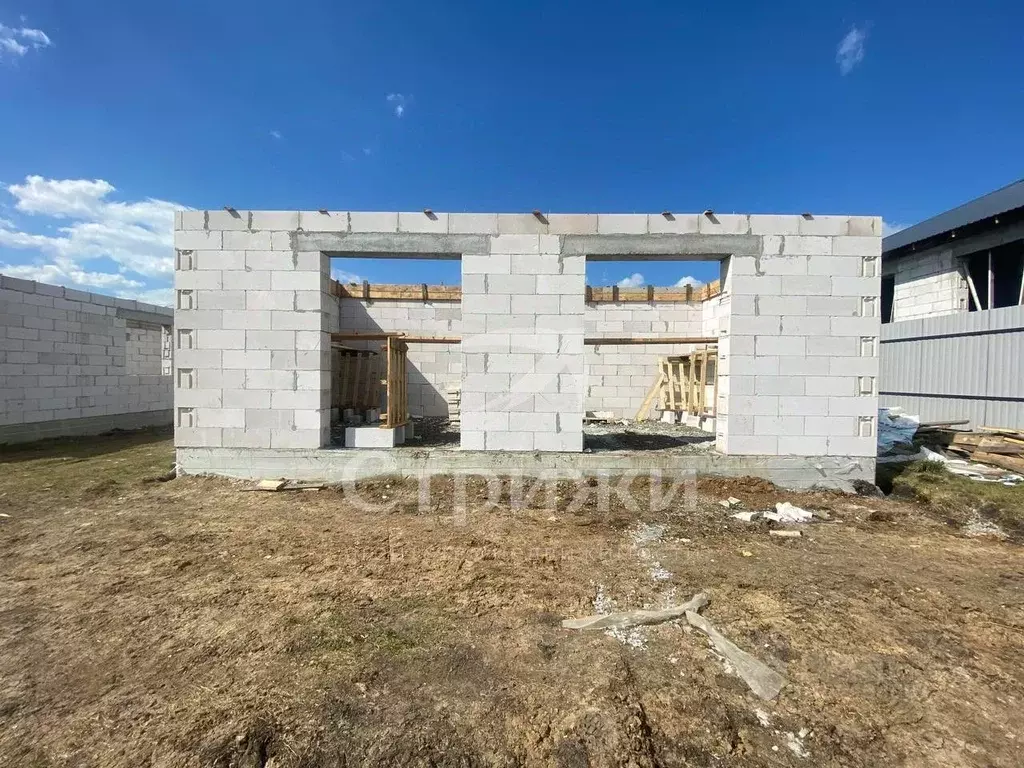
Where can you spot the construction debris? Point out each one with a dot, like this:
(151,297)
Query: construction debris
(747,517)
(762,679)
(731,503)
(286,485)
(787,513)
(637,618)
(786,534)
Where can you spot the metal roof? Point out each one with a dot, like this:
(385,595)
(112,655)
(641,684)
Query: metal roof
(1006,199)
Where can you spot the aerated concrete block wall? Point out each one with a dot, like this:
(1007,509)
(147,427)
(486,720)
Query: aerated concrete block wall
(432,368)
(927,284)
(619,375)
(522,345)
(799,346)
(798,322)
(77,363)
(253,313)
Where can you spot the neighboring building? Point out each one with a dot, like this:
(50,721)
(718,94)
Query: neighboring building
(77,363)
(953,313)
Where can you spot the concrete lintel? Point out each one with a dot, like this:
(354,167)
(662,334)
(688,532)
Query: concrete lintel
(660,247)
(153,318)
(342,465)
(392,244)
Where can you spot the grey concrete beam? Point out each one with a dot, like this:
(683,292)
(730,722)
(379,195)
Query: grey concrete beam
(152,318)
(691,247)
(408,245)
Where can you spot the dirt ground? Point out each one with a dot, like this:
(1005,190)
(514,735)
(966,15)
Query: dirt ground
(195,623)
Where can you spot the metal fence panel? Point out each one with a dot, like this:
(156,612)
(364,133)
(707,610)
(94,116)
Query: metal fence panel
(963,366)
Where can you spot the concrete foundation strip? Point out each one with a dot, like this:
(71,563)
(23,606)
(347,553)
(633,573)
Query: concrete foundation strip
(637,618)
(762,679)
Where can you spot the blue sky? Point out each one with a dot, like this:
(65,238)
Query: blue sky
(115,112)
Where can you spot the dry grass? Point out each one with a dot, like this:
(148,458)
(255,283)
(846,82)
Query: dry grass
(190,623)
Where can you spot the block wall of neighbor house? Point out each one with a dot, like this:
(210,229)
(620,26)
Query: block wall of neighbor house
(77,363)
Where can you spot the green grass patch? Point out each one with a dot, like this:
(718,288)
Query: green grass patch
(960,499)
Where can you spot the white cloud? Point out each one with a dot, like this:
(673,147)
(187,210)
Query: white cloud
(688,280)
(136,236)
(850,52)
(892,227)
(633,281)
(276,135)
(346,277)
(399,101)
(18,42)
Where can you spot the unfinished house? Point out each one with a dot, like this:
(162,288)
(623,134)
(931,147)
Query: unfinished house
(953,314)
(263,334)
(77,363)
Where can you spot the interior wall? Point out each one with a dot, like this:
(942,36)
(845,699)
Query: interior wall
(927,284)
(618,376)
(432,368)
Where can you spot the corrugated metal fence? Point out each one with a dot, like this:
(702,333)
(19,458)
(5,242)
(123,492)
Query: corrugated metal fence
(963,366)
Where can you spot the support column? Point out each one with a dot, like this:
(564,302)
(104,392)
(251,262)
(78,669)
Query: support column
(252,348)
(522,346)
(799,344)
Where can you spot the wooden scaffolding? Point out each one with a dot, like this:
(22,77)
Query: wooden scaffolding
(682,384)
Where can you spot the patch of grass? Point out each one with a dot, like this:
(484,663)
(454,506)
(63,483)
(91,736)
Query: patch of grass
(83,468)
(958,498)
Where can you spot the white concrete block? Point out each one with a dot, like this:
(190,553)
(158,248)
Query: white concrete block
(198,240)
(855,326)
(774,225)
(330,221)
(521,284)
(568,284)
(422,222)
(857,246)
(807,246)
(246,241)
(856,286)
(811,285)
(486,264)
(622,224)
(471,440)
(247,319)
(852,406)
(280,220)
(521,245)
(572,224)
(724,224)
(802,445)
(473,223)
(295,281)
(558,441)
(779,385)
(373,221)
(780,345)
(521,224)
(510,441)
(534,305)
(843,445)
(830,226)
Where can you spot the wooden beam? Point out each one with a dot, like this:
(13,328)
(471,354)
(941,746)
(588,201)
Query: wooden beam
(383,336)
(367,291)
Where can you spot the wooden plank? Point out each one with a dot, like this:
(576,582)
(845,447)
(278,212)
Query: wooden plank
(714,405)
(343,382)
(357,372)
(1012,463)
(703,392)
(645,406)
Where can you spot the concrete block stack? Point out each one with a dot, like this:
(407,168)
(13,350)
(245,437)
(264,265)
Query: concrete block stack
(251,337)
(799,346)
(522,345)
